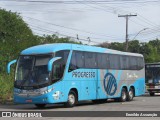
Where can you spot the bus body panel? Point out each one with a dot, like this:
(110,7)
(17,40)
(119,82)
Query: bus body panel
(90,84)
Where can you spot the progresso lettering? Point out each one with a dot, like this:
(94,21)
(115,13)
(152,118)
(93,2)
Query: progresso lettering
(83,74)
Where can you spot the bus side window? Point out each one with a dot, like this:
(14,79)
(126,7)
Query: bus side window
(90,60)
(114,61)
(133,63)
(77,61)
(124,62)
(103,61)
(80,59)
(73,63)
(59,65)
(140,63)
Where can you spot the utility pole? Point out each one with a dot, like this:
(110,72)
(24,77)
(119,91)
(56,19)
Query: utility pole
(126,16)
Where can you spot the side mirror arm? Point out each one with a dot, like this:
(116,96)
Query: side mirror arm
(51,62)
(9,65)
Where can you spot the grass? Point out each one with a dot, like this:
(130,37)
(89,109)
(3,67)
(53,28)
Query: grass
(6,87)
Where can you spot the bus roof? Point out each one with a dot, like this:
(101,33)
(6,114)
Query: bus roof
(51,48)
(155,63)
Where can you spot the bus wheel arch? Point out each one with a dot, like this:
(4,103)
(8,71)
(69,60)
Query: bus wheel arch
(76,91)
(72,99)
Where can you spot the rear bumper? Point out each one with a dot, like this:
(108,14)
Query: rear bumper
(153,90)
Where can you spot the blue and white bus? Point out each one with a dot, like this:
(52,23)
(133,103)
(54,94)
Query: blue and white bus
(69,73)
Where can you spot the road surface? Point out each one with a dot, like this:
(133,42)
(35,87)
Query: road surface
(142,103)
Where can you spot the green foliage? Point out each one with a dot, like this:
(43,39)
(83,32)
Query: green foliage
(134,46)
(150,50)
(6,90)
(117,46)
(15,35)
(55,39)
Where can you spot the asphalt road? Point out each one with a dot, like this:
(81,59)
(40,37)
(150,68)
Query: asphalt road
(142,103)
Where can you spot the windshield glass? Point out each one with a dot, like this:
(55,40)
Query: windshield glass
(153,74)
(32,71)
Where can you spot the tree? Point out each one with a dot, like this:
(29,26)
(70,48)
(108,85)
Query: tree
(150,50)
(113,45)
(134,46)
(15,35)
(55,39)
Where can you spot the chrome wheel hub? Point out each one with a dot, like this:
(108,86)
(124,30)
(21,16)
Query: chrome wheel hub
(71,98)
(124,96)
(130,94)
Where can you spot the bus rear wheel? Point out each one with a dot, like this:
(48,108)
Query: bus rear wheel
(123,97)
(72,99)
(130,95)
(40,105)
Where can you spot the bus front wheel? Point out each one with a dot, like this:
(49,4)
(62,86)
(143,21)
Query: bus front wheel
(72,99)
(40,105)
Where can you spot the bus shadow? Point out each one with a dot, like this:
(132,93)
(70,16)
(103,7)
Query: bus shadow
(148,95)
(53,106)
(81,103)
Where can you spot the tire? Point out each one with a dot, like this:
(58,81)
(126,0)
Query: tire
(130,95)
(152,94)
(123,97)
(40,105)
(72,99)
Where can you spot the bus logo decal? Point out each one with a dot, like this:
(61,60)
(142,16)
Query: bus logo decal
(110,84)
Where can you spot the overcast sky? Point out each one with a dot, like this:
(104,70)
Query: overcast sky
(96,19)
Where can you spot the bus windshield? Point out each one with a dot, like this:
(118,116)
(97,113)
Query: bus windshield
(153,74)
(32,71)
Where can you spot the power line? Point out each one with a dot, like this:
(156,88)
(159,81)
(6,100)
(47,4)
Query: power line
(53,32)
(111,8)
(88,1)
(150,23)
(95,2)
(152,37)
(126,16)
(75,29)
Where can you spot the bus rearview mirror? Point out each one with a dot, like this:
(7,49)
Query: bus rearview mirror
(9,66)
(51,61)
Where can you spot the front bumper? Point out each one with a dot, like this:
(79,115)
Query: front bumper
(153,90)
(42,99)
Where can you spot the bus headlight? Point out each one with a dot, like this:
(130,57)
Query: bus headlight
(47,91)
